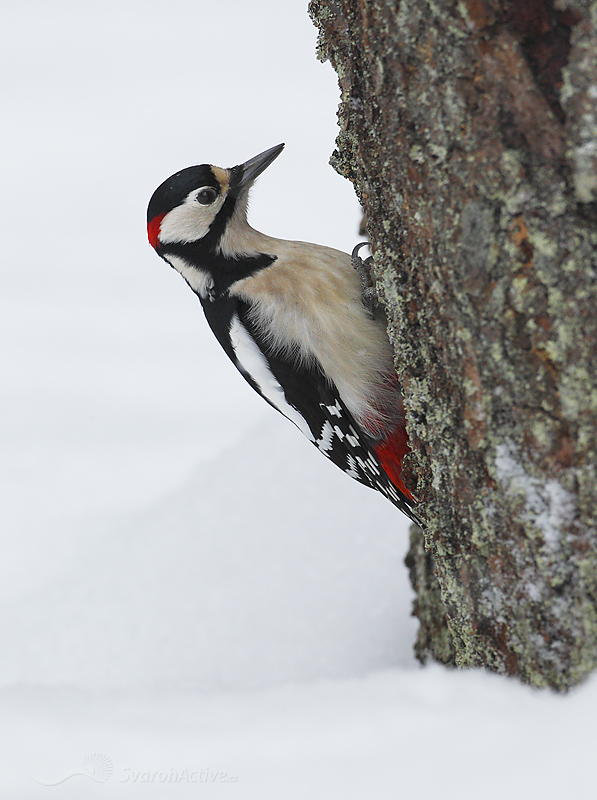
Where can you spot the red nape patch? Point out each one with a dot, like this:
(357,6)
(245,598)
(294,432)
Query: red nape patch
(153,230)
(390,454)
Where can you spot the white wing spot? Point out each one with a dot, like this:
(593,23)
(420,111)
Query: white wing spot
(335,410)
(325,441)
(352,467)
(371,464)
(393,493)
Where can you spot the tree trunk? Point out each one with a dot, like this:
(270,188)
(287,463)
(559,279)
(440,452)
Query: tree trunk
(469,130)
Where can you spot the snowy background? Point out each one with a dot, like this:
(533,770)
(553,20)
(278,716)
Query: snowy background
(194,602)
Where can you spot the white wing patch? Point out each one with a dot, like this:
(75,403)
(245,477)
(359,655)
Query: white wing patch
(253,363)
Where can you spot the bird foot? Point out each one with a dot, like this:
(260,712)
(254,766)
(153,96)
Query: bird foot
(364,269)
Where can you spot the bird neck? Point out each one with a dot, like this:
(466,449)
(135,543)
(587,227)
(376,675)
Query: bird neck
(211,268)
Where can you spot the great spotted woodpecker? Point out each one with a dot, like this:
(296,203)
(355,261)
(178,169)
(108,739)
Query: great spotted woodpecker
(291,317)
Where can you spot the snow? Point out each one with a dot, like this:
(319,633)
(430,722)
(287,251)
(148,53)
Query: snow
(194,601)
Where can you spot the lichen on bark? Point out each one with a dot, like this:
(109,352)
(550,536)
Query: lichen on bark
(469,130)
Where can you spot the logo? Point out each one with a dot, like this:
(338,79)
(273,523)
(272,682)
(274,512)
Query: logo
(99,767)
(96,766)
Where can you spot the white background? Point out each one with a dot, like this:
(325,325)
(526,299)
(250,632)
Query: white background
(188,589)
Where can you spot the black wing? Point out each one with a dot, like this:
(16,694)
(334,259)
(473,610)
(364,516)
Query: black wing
(302,393)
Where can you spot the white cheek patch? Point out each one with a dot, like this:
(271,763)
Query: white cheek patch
(199,281)
(189,221)
(253,363)
(184,223)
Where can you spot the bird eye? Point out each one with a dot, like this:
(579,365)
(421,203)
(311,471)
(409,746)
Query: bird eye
(206,196)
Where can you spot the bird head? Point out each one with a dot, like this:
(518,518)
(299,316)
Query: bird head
(197,203)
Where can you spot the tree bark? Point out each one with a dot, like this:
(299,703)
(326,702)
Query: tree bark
(469,130)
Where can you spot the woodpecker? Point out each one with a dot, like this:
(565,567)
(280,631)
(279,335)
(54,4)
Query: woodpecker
(292,318)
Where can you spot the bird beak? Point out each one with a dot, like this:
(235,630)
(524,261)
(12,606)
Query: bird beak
(243,175)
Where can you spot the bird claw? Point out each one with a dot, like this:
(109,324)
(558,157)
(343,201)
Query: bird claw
(364,269)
